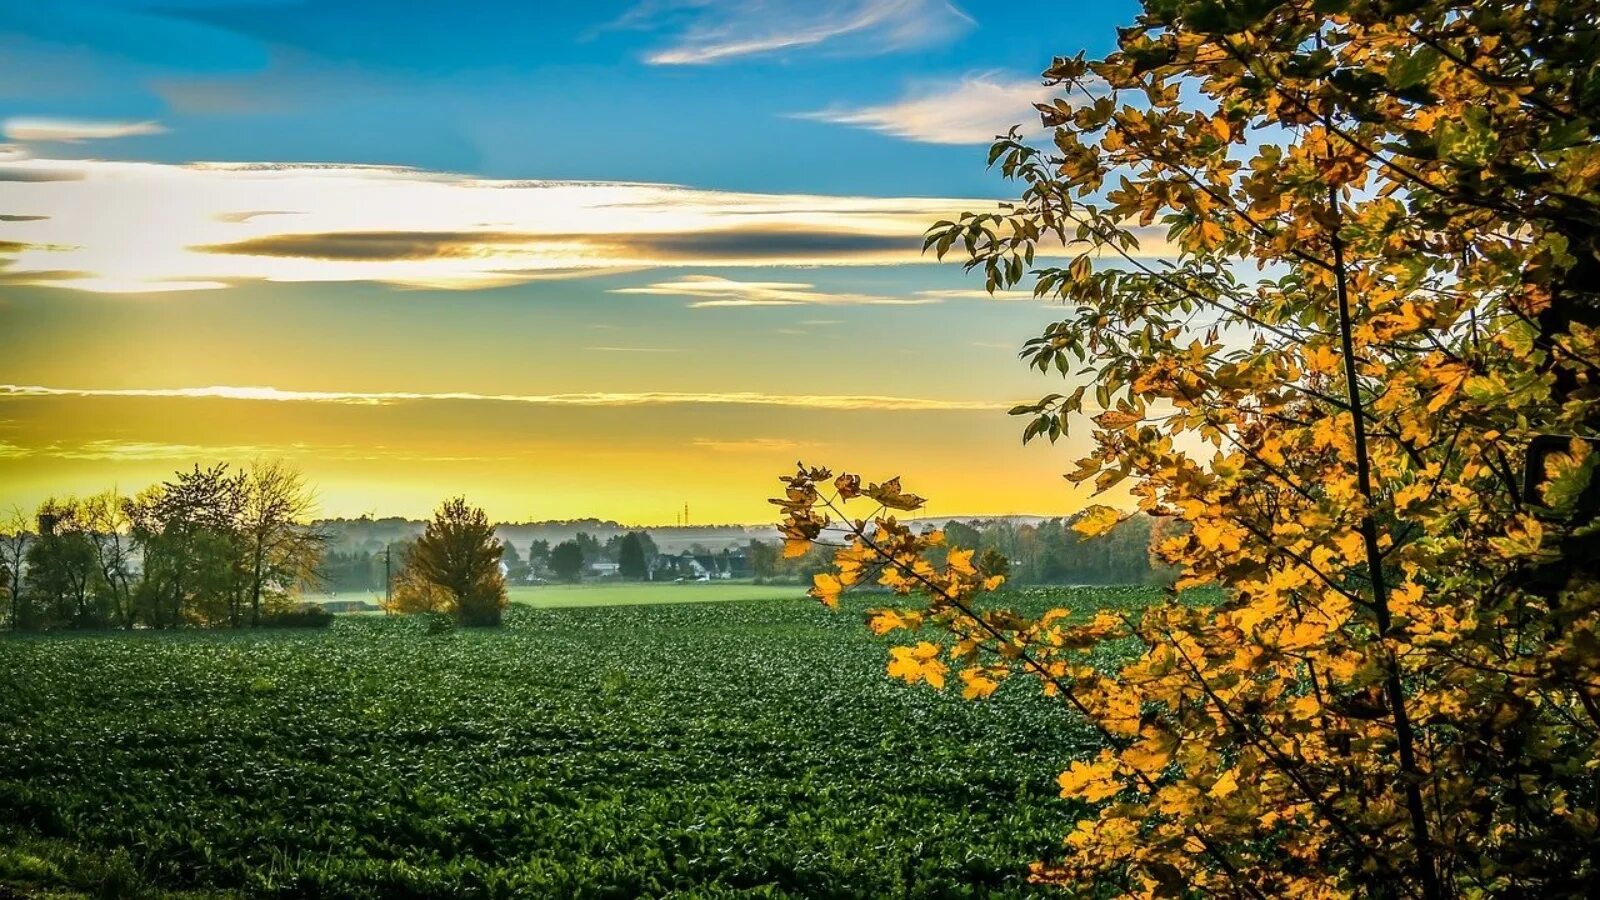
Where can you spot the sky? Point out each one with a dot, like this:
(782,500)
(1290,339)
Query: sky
(600,259)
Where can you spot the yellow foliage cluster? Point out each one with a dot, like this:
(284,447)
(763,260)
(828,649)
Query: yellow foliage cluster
(1400,694)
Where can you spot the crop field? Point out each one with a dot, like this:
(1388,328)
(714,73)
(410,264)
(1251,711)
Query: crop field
(700,749)
(621,593)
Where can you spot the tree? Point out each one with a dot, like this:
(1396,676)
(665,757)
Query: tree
(764,560)
(188,531)
(14,539)
(109,527)
(1397,696)
(62,572)
(589,546)
(459,555)
(567,561)
(631,561)
(280,550)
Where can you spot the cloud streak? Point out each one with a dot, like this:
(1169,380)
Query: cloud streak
(138,227)
(971,110)
(75,131)
(591,398)
(711,291)
(723,30)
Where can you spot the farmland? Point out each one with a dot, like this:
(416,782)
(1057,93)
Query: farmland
(608,751)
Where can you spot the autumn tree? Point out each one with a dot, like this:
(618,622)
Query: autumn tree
(459,555)
(1330,272)
(567,561)
(280,549)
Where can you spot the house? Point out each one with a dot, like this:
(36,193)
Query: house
(691,566)
(605,569)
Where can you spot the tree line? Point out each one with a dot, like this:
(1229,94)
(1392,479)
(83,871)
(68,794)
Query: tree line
(212,546)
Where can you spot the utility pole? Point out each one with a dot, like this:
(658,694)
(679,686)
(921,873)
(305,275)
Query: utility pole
(387,547)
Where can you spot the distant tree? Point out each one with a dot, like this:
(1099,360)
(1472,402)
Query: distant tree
(992,562)
(458,553)
(61,568)
(280,550)
(107,523)
(566,560)
(631,561)
(187,529)
(14,538)
(589,546)
(763,559)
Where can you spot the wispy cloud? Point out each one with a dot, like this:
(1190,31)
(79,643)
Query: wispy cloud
(594,398)
(721,30)
(970,110)
(75,131)
(752,445)
(976,294)
(636,349)
(135,227)
(712,291)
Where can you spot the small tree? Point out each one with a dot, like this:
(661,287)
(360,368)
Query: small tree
(631,562)
(566,561)
(459,555)
(14,538)
(280,550)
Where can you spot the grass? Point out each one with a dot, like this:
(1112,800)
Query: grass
(561,596)
(696,749)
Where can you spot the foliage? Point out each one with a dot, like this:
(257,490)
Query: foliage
(456,559)
(631,561)
(1398,694)
(567,561)
(279,551)
(695,749)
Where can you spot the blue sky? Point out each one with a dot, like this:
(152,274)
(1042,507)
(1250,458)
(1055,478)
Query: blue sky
(535,89)
(574,259)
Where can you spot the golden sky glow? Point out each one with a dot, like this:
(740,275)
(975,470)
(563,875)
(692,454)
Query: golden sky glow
(589,262)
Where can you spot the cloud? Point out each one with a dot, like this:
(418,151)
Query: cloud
(75,131)
(731,245)
(971,110)
(592,398)
(636,349)
(248,214)
(722,30)
(977,294)
(752,445)
(712,291)
(141,227)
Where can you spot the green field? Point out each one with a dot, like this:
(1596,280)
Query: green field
(622,593)
(703,749)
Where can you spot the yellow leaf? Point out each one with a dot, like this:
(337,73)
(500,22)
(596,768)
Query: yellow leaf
(1091,782)
(1225,785)
(979,682)
(826,587)
(919,663)
(1096,520)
